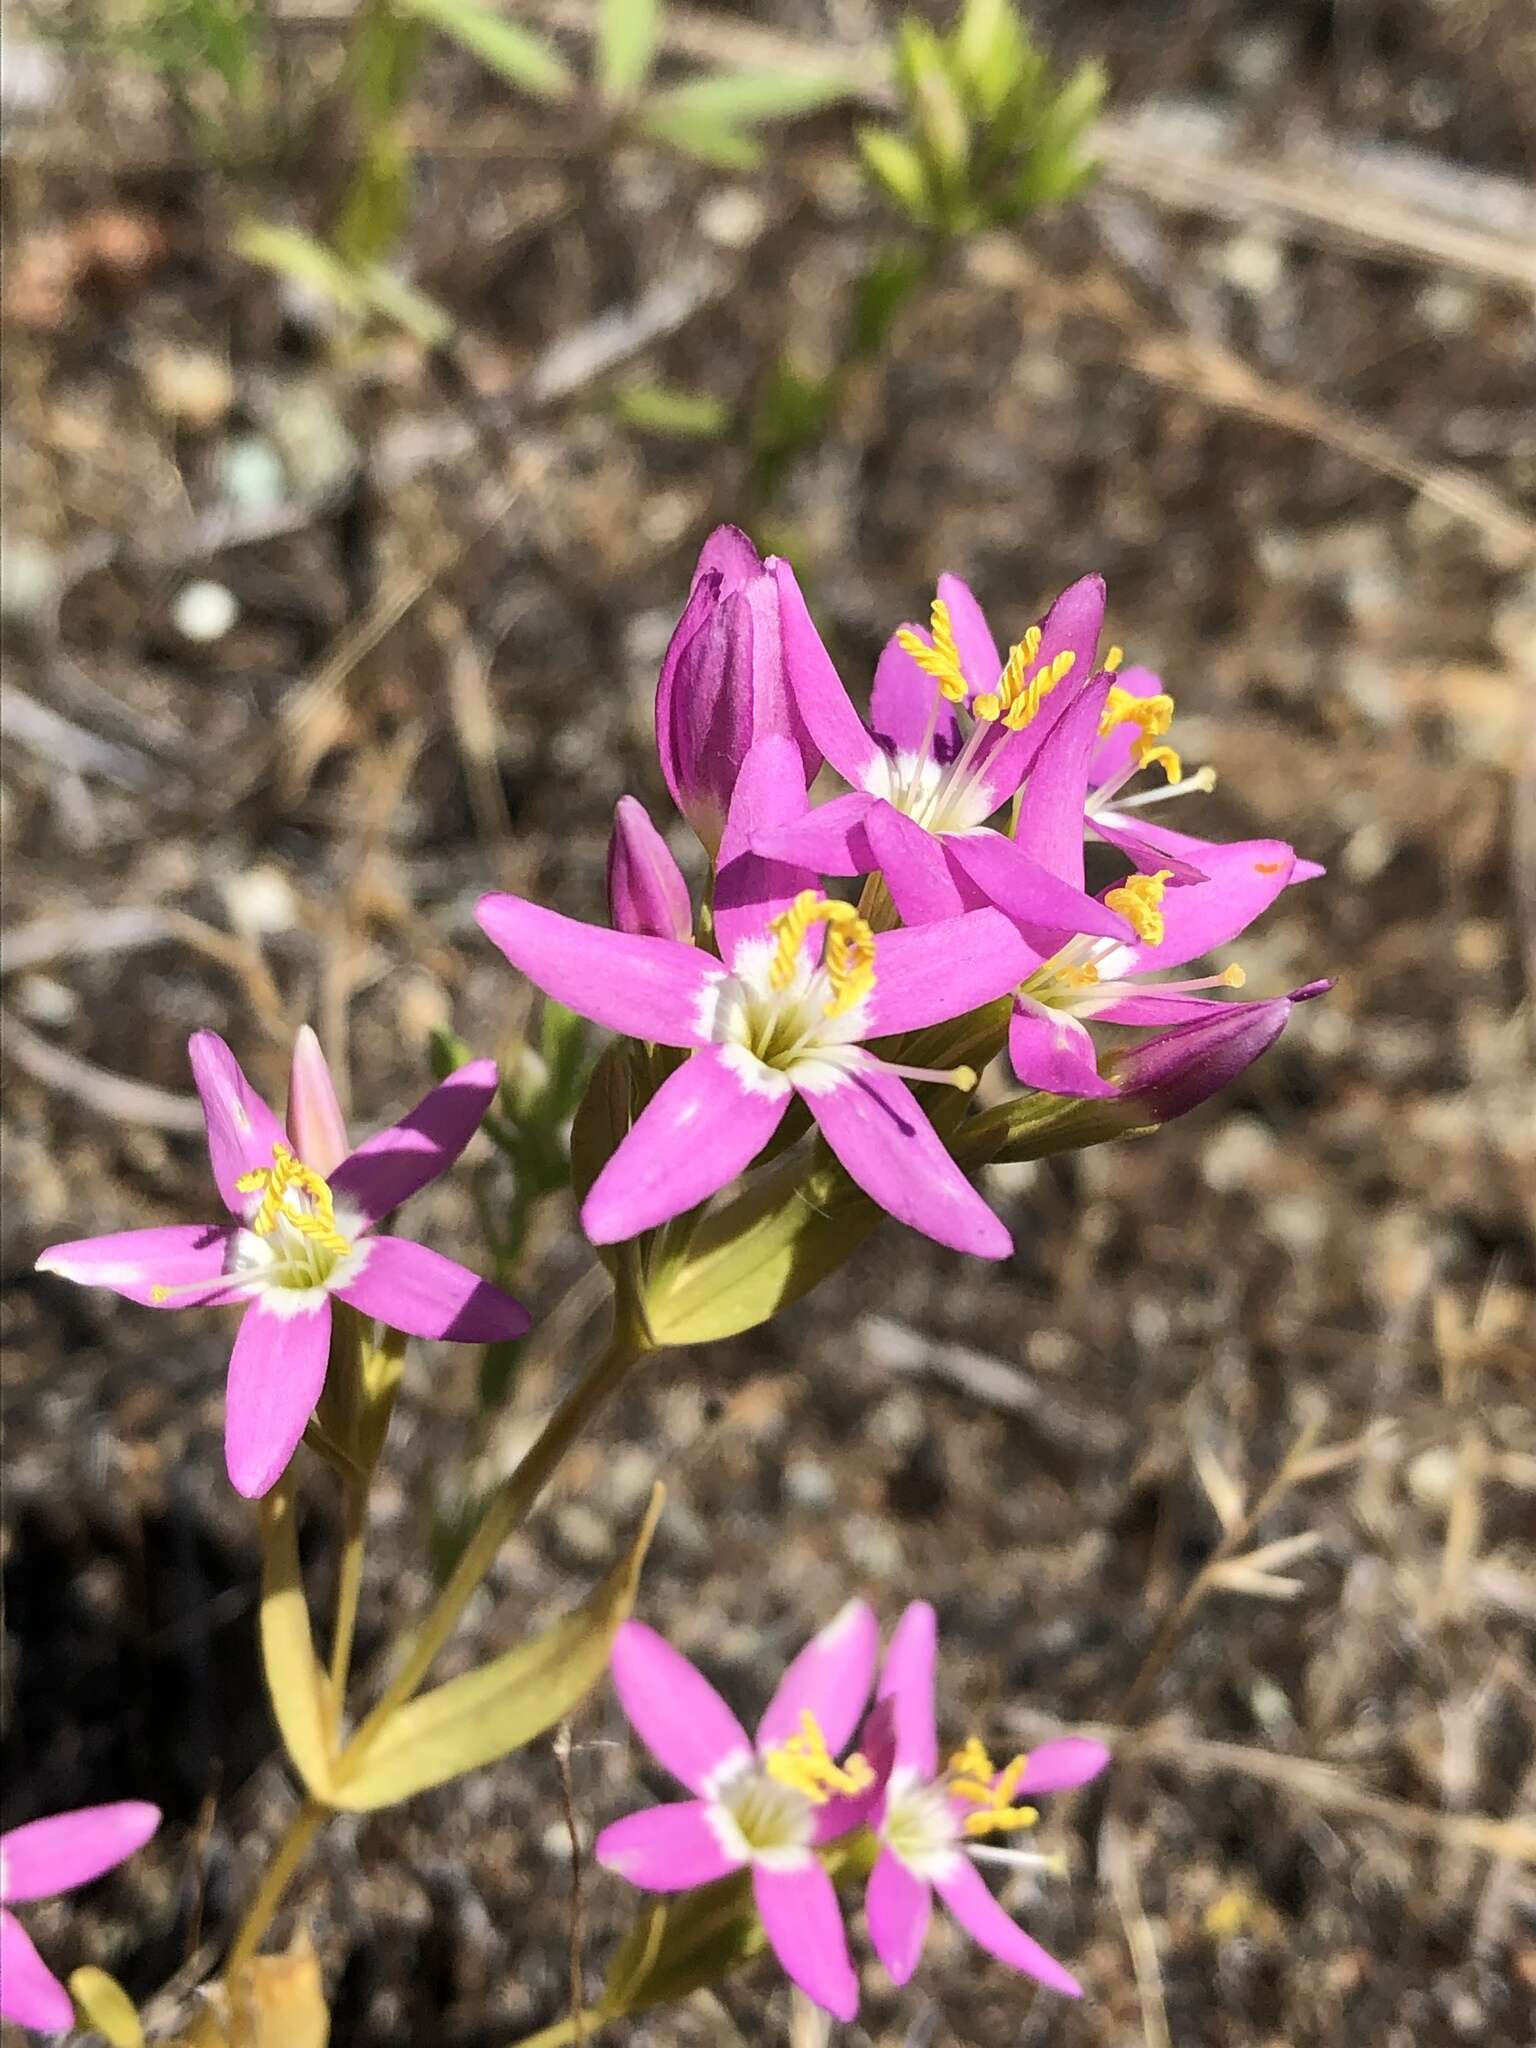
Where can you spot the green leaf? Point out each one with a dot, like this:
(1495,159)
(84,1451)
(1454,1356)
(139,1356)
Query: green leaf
(393,299)
(626,46)
(677,1948)
(106,2006)
(749,98)
(712,142)
(878,297)
(303,259)
(898,169)
(521,57)
(299,1689)
(670,409)
(487,1713)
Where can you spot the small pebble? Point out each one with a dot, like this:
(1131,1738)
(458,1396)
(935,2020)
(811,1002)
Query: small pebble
(204,612)
(251,474)
(809,1484)
(190,387)
(732,218)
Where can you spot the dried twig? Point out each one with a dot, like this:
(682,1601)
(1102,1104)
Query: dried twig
(110,1096)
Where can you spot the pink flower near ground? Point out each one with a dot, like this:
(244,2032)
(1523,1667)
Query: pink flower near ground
(800,983)
(763,1805)
(303,1232)
(932,1824)
(39,1860)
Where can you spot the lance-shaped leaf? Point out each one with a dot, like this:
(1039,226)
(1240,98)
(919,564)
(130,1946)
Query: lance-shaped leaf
(519,55)
(299,1689)
(626,45)
(744,99)
(106,2006)
(487,1713)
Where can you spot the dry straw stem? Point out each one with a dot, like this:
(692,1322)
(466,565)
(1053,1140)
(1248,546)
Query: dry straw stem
(1119,1867)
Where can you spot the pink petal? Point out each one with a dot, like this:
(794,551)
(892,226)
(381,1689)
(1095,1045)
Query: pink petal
(912,861)
(1074,621)
(730,554)
(1051,817)
(1053,1050)
(30,1994)
(665,1849)
(674,1709)
(316,1127)
(1059,1766)
(1040,903)
(834,726)
(646,988)
(889,1147)
(1153,1012)
(830,1678)
(703,1126)
(276,1371)
(965,1893)
(187,1258)
(46,1857)
(804,1926)
(932,972)
(898,1905)
(973,636)
(1244,880)
(907,1681)
(242,1131)
(829,840)
(421,1293)
(1146,847)
(902,703)
(395,1163)
(647,895)
(749,890)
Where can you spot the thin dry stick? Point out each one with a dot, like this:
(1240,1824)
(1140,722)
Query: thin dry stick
(562,1748)
(1125,1888)
(1177,1618)
(111,1096)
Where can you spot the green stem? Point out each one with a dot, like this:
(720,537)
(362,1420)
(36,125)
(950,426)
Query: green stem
(578,2027)
(290,1853)
(349,1588)
(506,1510)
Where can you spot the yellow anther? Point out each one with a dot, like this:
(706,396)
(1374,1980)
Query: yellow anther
(1153,754)
(1235,976)
(849,956)
(1153,715)
(942,659)
(807,1766)
(1083,976)
(286,1187)
(1022,693)
(1113,659)
(1137,900)
(976,1779)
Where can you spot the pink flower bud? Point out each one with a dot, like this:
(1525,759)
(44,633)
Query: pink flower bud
(315,1122)
(1175,1072)
(646,890)
(724,682)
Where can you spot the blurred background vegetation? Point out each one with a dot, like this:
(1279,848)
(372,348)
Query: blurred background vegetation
(372,375)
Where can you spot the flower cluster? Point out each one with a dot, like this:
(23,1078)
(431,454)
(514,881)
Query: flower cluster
(772,1804)
(973,790)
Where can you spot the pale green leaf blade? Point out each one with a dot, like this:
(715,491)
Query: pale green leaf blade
(299,1689)
(673,409)
(696,135)
(489,1712)
(626,46)
(302,259)
(106,2006)
(748,98)
(521,57)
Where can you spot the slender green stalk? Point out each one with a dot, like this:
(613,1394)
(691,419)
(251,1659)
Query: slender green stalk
(349,1587)
(289,1854)
(507,1509)
(574,2028)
